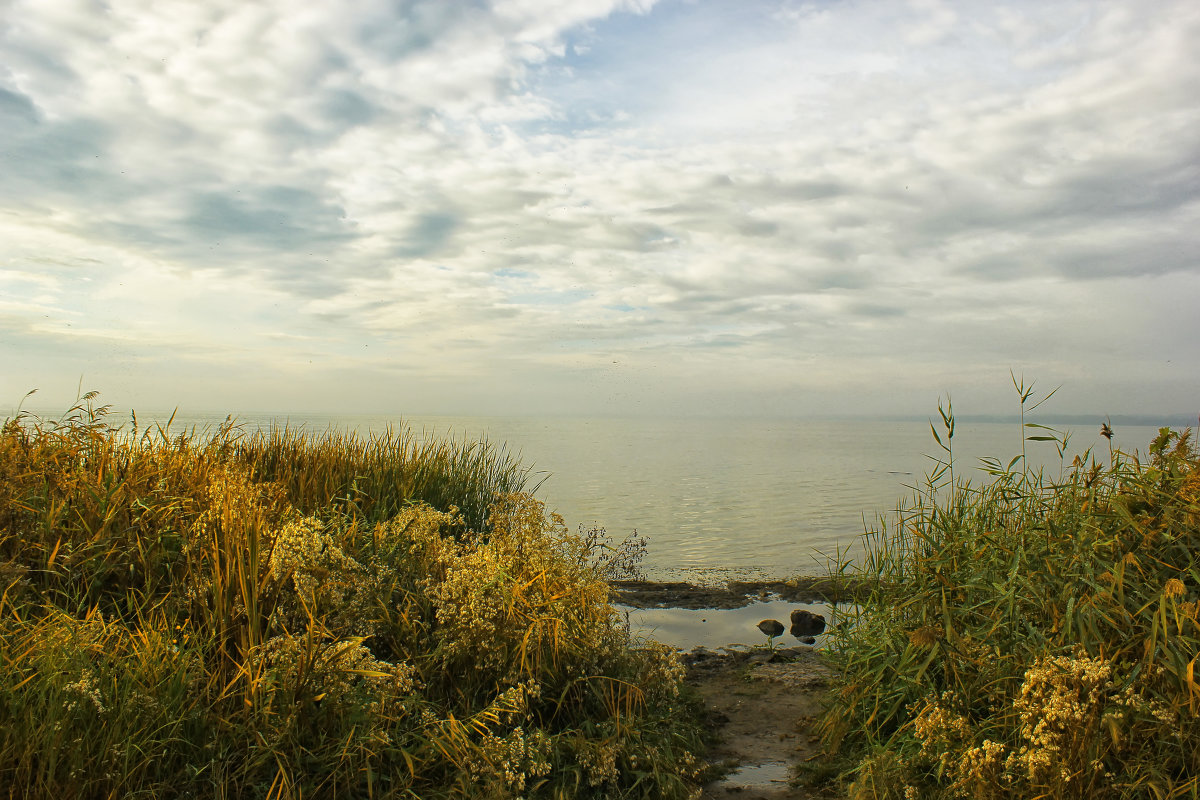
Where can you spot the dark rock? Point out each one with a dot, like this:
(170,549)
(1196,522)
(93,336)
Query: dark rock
(808,640)
(806,623)
(771,627)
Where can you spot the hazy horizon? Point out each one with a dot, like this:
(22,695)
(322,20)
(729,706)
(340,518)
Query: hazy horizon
(624,208)
(1041,415)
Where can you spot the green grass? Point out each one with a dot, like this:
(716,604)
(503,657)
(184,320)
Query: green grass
(1032,637)
(283,615)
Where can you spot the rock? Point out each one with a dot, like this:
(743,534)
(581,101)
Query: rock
(771,627)
(806,623)
(808,640)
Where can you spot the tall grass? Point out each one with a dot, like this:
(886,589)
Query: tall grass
(377,475)
(287,616)
(1032,637)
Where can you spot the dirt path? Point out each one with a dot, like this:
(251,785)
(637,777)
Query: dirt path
(763,706)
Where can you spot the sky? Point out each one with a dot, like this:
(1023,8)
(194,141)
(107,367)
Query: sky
(600,207)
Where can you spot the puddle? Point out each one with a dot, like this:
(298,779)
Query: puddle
(686,628)
(756,776)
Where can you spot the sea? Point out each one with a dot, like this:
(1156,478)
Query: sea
(719,499)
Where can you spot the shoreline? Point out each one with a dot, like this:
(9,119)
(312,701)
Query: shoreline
(734,594)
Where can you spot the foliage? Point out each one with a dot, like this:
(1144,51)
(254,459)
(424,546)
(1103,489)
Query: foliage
(234,617)
(1032,637)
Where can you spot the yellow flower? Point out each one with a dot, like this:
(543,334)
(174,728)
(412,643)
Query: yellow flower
(1174,588)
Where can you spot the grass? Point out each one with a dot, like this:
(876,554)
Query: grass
(287,615)
(1032,637)
(377,476)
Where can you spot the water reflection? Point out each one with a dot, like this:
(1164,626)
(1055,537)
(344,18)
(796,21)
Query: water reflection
(686,628)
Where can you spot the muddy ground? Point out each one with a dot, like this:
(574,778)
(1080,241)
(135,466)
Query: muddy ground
(762,704)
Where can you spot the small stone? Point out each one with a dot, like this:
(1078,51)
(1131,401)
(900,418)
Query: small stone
(806,623)
(771,627)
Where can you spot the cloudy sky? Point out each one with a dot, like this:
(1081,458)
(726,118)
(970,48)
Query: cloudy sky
(752,207)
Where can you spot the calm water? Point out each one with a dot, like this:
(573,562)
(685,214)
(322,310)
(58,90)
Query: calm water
(768,498)
(713,628)
(753,497)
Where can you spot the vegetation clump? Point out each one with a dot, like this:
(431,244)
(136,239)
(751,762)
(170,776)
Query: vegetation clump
(1033,637)
(276,616)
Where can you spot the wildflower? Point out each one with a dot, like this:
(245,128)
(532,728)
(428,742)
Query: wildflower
(1060,697)
(599,761)
(979,768)
(941,730)
(1174,588)
(85,689)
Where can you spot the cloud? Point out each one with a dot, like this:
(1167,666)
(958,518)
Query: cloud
(508,194)
(279,218)
(18,110)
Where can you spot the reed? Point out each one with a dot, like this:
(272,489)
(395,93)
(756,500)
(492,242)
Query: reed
(1032,637)
(376,475)
(287,615)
